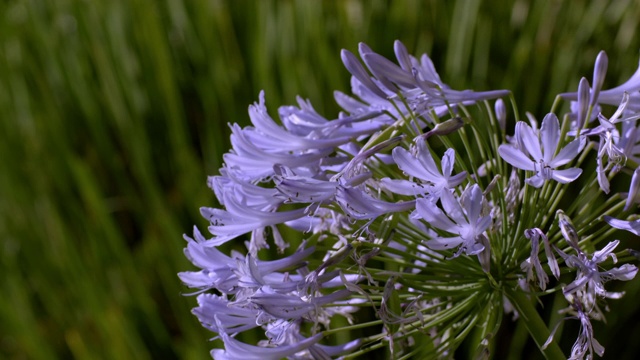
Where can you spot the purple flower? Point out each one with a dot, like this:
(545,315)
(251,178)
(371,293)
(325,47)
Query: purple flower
(611,96)
(236,350)
(415,80)
(533,262)
(359,205)
(461,218)
(238,218)
(586,342)
(420,164)
(225,273)
(611,145)
(589,282)
(301,189)
(219,315)
(535,152)
(252,160)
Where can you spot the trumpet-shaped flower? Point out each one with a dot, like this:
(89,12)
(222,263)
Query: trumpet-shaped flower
(422,166)
(536,152)
(462,219)
(589,283)
(237,350)
(533,262)
(612,146)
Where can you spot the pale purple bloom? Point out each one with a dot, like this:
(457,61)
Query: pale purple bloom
(236,350)
(305,121)
(599,73)
(535,152)
(252,161)
(589,282)
(419,163)
(611,96)
(628,141)
(293,305)
(533,262)
(253,196)
(270,136)
(238,218)
(225,273)
(416,80)
(219,315)
(295,188)
(611,145)
(461,218)
(586,343)
(359,205)
(287,332)
(355,168)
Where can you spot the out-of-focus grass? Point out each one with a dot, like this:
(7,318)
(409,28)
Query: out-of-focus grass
(112,113)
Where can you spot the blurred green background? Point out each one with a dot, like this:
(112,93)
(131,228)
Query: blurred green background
(112,114)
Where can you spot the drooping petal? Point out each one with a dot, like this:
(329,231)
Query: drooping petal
(536,180)
(236,350)
(631,226)
(625,272)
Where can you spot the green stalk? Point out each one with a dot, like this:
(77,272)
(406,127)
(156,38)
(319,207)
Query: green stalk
(534,324)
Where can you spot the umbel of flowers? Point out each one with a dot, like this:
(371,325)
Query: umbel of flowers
(422,218)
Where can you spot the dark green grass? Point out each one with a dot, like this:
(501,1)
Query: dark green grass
(112,114)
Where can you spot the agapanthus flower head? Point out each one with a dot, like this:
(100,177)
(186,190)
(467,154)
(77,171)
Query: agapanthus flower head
(401,206)
(536,151)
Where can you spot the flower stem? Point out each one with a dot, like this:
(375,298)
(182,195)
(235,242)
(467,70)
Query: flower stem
(533,322)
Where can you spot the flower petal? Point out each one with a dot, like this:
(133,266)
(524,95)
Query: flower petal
(515,157)
(631,226)
(529,140)
(550,135)
(566,176)
(568,153)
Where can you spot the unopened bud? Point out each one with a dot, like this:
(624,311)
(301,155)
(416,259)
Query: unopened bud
(501,114)
(569,231)
(583,102)
(444,128)
(599,72)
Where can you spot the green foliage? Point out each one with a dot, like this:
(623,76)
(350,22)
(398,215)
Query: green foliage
(113,113)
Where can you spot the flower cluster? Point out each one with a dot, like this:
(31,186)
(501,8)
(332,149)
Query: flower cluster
(412,219)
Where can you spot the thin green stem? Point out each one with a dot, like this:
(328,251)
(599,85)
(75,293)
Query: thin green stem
(534,324)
